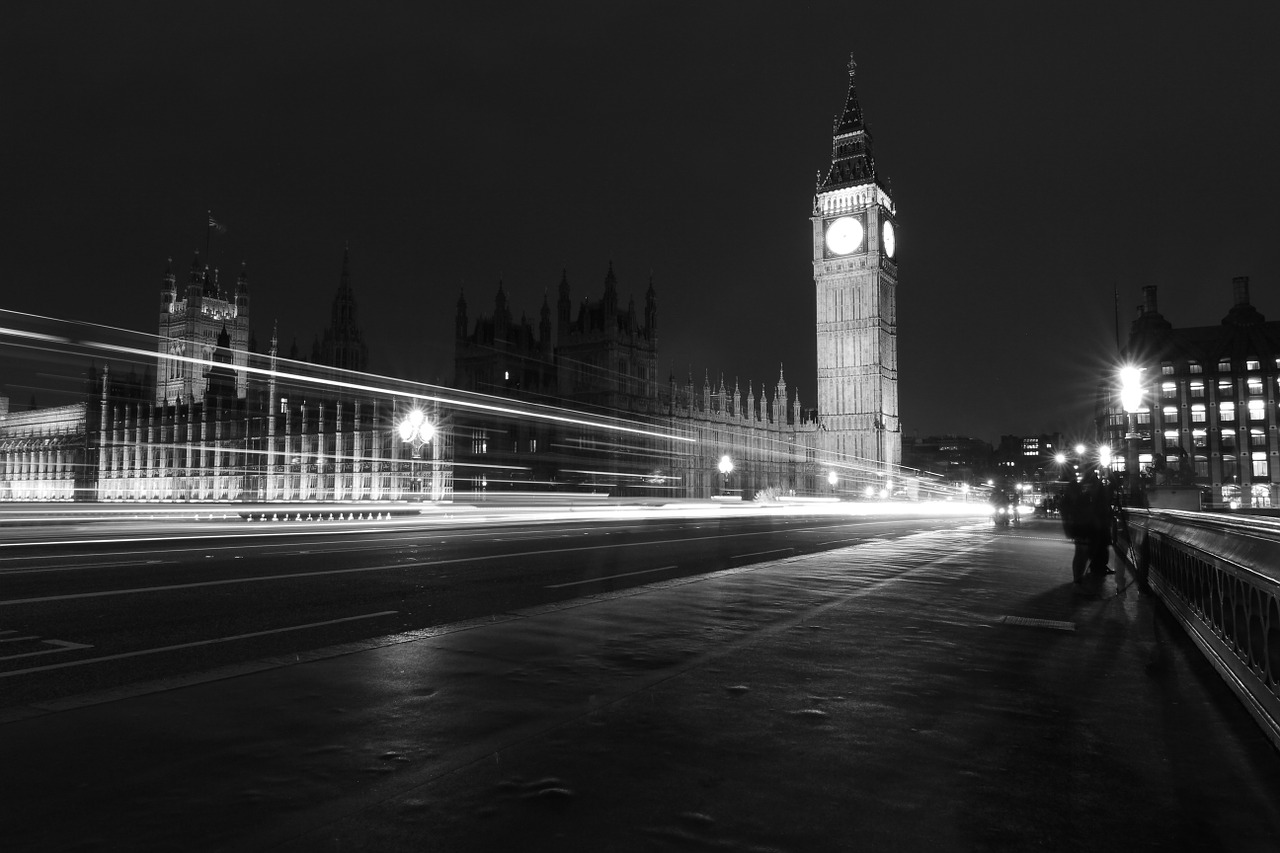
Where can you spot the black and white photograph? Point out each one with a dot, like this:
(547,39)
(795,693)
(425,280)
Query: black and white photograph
(639,426)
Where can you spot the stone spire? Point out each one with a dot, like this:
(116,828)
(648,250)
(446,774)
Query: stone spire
(343,345)
(242,291)
(460,320)
(610,294)
(852,162)
(651,311)
(168,288)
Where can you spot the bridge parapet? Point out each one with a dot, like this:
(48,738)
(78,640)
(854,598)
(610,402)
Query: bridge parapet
(1220,576)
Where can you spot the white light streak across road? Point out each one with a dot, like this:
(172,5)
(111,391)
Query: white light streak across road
(194,644)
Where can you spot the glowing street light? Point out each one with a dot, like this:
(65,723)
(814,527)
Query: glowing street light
(726,468)
(832,479)
(416,430)
(1131,401)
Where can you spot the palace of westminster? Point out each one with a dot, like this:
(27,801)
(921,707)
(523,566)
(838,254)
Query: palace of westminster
(576,403)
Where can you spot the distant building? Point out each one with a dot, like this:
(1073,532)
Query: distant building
(1209,410)
(957,458)
(1029,457)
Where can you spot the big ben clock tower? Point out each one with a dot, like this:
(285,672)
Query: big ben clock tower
(855,276)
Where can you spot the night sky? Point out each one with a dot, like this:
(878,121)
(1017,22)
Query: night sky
(1042,159)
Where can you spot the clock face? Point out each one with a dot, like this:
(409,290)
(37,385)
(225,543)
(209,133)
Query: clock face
(890,241)
(844,235)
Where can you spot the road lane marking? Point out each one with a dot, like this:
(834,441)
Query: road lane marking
(611,577)
(191,645)
(63,646)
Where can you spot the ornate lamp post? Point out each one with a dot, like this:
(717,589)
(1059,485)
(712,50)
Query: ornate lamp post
(416,431)
(726,468)
(1131,401)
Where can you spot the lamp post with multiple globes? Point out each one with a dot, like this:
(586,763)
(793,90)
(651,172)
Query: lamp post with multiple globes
(417,431)
(726,468)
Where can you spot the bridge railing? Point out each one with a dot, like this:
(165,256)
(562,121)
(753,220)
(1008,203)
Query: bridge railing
(1220,577)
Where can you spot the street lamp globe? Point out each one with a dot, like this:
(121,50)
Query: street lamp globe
(1130,388)
(726,465)
(832,478)
(415,429)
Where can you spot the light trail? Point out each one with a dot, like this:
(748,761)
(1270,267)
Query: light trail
(399,566)
(193,644)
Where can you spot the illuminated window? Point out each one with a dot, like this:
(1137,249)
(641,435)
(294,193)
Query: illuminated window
(1260,464)
(1224,366)
(1257,438)
(1169,390)
(1197,413)
(1226,388)
(1144,417)
(1202,466)
(1226,411)
(1197,389)
(1171,436)
(1167,368)
(1229,439)
(1199,438)
(1254,386)
(1252,364)
(1257,410)
(1171,414)
(1194,367)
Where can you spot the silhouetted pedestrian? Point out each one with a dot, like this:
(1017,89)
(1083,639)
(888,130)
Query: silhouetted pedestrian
(1097,519)
(1074,510)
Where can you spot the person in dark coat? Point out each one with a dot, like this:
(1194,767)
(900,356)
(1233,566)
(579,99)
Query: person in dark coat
(1097,518)
(1073,508)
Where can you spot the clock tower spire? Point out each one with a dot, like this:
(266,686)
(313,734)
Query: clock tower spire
(855,275)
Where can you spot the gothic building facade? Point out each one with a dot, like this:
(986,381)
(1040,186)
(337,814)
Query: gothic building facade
(855,273)
(621,431)
(223,423)
(189,326)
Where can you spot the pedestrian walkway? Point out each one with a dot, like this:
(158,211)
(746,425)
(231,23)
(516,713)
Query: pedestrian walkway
(950,691)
